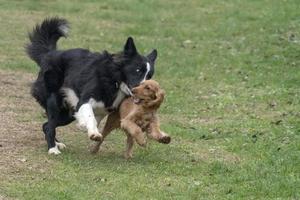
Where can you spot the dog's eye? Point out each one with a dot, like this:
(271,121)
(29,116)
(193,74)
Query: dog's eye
(138,70)
(147,87)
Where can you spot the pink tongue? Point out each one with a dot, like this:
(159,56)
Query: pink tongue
(136,100)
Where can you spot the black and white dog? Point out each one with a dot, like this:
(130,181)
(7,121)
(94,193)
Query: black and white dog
(79,84)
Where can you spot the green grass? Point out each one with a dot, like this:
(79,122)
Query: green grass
(230,70)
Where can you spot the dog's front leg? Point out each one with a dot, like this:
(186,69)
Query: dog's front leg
(112,122)
(86,118)
(155,133)
(129,147)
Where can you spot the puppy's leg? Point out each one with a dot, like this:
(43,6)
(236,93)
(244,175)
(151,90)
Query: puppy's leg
(86,118)
(134,130)
(112,122)
(155,133)
(129,147)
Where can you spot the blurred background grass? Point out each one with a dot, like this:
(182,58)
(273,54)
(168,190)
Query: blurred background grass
(231,73)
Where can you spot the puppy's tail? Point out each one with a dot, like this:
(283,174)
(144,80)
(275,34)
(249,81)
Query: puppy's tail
(44,37)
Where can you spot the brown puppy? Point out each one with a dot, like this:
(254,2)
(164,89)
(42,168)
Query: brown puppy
(136,115)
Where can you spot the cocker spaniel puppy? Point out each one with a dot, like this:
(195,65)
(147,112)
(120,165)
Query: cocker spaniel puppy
(137,115)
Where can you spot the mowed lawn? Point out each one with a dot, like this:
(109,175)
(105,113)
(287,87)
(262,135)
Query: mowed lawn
(231,72)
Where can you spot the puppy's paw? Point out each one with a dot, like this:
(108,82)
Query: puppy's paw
(95,137)
(128,155)
(140,139)
(165,140)
(54,151)
(60,145)
(142,142)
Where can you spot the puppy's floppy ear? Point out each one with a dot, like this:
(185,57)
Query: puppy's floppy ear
(152,56)
(159,97)
(129,48)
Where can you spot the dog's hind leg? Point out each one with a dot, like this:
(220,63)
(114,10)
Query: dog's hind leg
(50,126)
(62,118)
(112,122)
(134,130)
(56,117)
(129,147)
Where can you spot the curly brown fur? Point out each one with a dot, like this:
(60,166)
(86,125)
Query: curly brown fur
(138,115)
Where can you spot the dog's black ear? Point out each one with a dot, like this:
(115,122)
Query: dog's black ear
(129,48)
(152,56)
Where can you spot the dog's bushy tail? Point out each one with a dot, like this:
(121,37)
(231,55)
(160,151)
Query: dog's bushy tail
(44,37)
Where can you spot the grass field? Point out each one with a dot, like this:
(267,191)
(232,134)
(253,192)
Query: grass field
(231,73)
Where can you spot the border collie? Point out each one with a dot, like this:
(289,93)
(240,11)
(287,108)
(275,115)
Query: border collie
(79,84)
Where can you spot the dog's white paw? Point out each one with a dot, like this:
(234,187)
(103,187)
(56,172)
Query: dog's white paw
(54,150)
(95,136)
(60,145)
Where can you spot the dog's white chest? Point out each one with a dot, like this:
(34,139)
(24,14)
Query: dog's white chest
(70,97)
(118,99)
(122,92)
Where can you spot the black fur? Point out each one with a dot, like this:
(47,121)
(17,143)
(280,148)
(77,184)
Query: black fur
(90,75)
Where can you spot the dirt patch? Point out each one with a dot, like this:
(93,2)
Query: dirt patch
(21,120)
(19,132)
